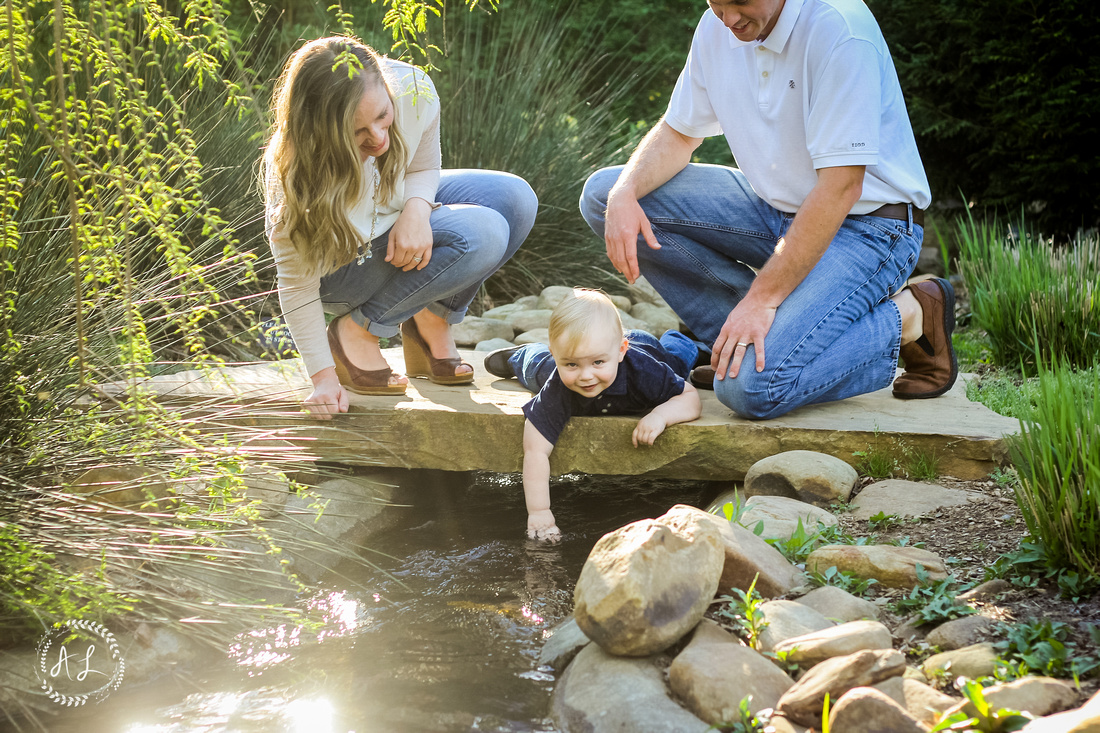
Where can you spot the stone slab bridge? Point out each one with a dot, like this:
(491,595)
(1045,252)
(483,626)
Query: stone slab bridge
(480,426)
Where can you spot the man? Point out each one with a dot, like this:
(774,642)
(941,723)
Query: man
(791,263)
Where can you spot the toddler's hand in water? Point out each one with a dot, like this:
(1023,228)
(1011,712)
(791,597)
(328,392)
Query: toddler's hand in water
(541,526)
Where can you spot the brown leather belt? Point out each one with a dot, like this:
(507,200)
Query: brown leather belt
(898,211)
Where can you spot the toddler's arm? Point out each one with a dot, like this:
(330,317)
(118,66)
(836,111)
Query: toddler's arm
(681,408)
(536,484)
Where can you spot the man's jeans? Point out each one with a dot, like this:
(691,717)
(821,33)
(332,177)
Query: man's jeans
(484,219)
(836,335)
(533,364)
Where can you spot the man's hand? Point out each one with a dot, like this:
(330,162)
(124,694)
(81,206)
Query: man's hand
(746,324)
(409,246)
(541,526)
(329,396)
(648,428)
(625,221)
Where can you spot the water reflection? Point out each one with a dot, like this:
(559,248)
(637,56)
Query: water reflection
(446,639)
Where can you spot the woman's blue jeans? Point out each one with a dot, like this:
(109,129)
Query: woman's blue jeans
(484,219)
(836,335)
(533,363)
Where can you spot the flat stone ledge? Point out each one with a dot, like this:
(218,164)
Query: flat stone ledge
(480,426)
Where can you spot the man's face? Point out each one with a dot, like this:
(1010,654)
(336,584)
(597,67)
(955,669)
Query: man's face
(749,20)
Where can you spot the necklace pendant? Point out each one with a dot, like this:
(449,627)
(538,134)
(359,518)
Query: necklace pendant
(364,255)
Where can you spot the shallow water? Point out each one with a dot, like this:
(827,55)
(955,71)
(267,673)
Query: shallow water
(447,641)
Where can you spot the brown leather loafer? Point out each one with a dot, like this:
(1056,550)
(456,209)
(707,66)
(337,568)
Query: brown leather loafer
(702,377)
(930,364)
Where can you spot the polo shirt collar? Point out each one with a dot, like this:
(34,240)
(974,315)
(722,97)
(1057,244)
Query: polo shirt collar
(777,39)
(618,387)
(788,16)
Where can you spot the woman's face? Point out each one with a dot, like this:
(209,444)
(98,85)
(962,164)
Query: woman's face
(373,118)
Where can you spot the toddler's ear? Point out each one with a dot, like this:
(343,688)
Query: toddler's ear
(622,349)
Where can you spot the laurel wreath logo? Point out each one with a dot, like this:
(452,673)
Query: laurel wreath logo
(60,631)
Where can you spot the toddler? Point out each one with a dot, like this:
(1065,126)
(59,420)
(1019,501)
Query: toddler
(591,368)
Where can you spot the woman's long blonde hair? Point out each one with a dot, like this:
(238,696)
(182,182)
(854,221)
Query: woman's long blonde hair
(312,152)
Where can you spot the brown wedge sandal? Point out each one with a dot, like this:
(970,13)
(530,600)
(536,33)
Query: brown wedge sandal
(354,379)
(419,361)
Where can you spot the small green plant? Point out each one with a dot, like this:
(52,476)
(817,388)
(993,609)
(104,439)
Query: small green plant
(841,579)
(985,719)
(1041,646)
(749,722)
(877,463)
(932,601)
(744,612)
(800,544)
(1005,476)
(922,465)
(883,521)
(732,510)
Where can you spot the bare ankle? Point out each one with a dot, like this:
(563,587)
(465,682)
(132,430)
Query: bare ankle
(912,317)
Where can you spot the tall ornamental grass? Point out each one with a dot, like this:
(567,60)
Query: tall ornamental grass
(1057,455)
(1037,301)
(513,99)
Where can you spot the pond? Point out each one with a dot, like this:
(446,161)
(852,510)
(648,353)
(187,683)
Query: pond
(444,636)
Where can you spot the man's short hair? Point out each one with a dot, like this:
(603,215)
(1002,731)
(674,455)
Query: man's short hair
(581,312)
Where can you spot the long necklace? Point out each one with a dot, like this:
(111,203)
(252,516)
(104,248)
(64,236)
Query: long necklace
(364,252)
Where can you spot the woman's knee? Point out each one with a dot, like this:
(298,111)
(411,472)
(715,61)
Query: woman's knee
(518,203)
(476,233)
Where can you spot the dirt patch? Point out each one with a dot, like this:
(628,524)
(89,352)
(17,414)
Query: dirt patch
(970,539)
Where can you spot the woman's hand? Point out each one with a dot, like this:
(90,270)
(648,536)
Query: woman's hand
(329,396)
(409,246)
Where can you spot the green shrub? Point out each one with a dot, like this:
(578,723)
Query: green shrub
(1004,102)
(1035,300)
(1057,456)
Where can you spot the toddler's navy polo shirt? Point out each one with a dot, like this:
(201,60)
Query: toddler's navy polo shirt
(641,384)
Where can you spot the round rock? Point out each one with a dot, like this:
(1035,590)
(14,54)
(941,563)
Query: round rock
(815,478)
(647,584)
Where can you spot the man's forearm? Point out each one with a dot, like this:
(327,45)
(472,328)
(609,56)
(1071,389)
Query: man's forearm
(662,154)
(814,226)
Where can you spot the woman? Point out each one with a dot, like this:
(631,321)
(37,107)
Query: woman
(365,226)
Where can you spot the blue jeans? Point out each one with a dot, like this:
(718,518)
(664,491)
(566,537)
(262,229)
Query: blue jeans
(533,364)
(484,219)
(836,335)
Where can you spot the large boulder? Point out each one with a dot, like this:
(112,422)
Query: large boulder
(837,604)
(525,321)
(866,710)
(601,693)
(716,671)
(749,558)
(815,478)
(908,499)
(834,677)
(786,620)
(647,584)
(552,296)
(778,517)
(473,330)
(660,319)
(126,485)
(1036,695)
(565,641)
(960,632)
(893,567)
(974,661)
(836,641)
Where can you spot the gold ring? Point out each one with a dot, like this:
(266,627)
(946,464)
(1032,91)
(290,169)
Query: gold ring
(741,343)
(417,259)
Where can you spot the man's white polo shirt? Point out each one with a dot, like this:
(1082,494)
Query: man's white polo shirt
(819,91)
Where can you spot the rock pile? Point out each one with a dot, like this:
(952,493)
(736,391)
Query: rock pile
(527,320)
(657,664)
